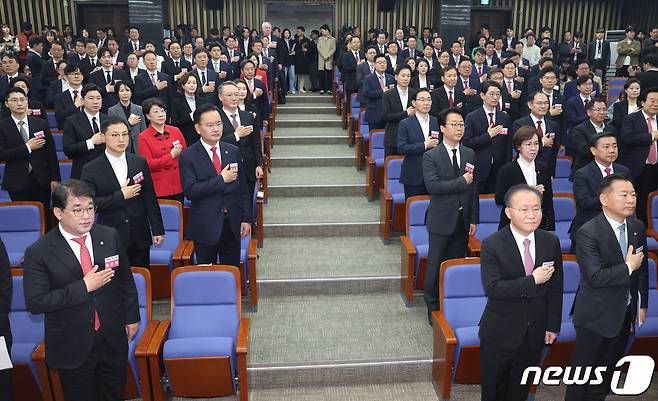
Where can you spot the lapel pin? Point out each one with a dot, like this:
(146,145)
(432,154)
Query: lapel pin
(101,242)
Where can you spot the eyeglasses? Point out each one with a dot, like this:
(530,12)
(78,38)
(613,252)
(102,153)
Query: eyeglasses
(211,126)
(79,212)
(525,211)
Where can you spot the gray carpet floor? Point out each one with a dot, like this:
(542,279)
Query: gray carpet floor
(320,209)
(315,176)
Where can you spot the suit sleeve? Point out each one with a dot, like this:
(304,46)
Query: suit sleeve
(5,281)
(144,89)
(584,198)
(151,201)
(502,185)
(591,269)
(473,136)
(128,290)
(258,150)
(245,197)
(555,290)
(630,135)
(433,182)
(390,115)
(495,286)
(62,111)
(370,91)
(192,186)
(404,146)
(580,142)
(72,147)
(51,155)
(39,296)
(19,152)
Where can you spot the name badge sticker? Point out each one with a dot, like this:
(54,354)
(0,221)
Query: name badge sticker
(36,112)
(175,143)
(139,177)
(434,134)
(459,105)
(233,166)
(112,262)
(469,168)
(39,135)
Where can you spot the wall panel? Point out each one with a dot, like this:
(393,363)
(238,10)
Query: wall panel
(364,14)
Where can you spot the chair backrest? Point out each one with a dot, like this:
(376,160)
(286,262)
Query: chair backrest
(563,167)
(65,170)
(462,295)
(489,216)
(172,219)
(25,327)
(205,301)
(571,277)
(142,279)
(4,195)
(415,212)
(652,312)
(392,184)
(652,211)
(58,139)
(377,145)
(355,101)
(52,120)
(564,206)
(22,225)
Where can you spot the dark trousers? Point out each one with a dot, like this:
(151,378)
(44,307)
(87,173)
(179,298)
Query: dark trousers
(501,369)
(228,248)
(442,247)
(487,185)
(101,377)
(313,76)
(594,350)
(414,190)
(325,80)
(139,257)
(381,124)
(390,151)
(645,183)
(177,197)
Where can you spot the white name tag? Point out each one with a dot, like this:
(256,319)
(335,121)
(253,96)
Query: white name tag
(39,135)
(112,262)
(139,177)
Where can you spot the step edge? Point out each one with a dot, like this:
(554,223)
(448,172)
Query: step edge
(320,223)
(338,364)
(326,279)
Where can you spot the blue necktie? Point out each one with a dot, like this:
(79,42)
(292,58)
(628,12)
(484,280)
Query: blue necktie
(622,239)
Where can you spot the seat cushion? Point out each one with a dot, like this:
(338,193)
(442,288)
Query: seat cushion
(466,336)
(649,328)
(198,347)
(567,332)
(652,244)
(160,256)
(21,353)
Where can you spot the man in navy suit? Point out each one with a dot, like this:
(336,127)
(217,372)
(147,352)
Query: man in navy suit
(10,64)
(416,135)
(571,89)
(586,180)
(213,178)
(393,57)
(257,92)
(106,77)
(577,105)
(547,129)
(556,112)
(468,86)
(480,67)
(374,86)
(598,52)
(486,133)
(448,95)
(153,83)
(69,102)
(349,60)
(456,54)
(638,149)
(175,65)
(513,88)
(207,78)
(582,133)
(36,63)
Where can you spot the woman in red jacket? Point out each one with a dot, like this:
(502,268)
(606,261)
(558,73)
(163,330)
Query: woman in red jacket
(161,144)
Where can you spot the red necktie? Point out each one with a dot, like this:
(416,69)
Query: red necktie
(608,171)
(510,87)
(356,55)
(215,160)
(540,132)
(234,121)
(75,95)
(381,82)
(491,120)
(653,157)
(85,262)
(585,103)
(451,100)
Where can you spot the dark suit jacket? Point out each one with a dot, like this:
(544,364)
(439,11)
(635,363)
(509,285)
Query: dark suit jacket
(6,284)
(431,81)
(510,175)
(576,112)
(169,68)
(406,53)
(390,68)
(565,50)
(100,79)
(411,144)
(211,76)
(64,107)
(145,89)
(440,100)
(571,90)
(54,89)
(516,306)
(605,52)
(250,147)
(586,182)
(473,101)
(348,71)
(35,62)
(600,304)
(180,117)
(580,137)
(635,143)
(14,153)
(48,74)
(449,191)
(516,106)
(476,137)
(76,132)
(394,112)
(53,285)
(210,194)
(261,102)
(362,71)
(136,219)
(86,66)
(127,47)
(372,92)
(648,79)
(546,155)
(454,63)
(619,111)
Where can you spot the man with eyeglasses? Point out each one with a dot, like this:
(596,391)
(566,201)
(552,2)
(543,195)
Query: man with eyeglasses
(521,269)
(125,195)
(486,133)
(69,102)
(28,149)
(214,179)
(10,67)
(79,276)
(452,214)
(581,134)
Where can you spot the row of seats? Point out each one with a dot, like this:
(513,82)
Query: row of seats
(206,335)
(463,298)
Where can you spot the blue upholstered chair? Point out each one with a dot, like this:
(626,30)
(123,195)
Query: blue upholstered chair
(59,145)
(204,345)
(392,201)
(52,120)
(456,325)
(375,160)
(561,183)
(652,218)
(362,137)
(257,209)
(353,117)
(564,206)
(22,224)
(415,245)
(489,219)
(65,169)
(646,336)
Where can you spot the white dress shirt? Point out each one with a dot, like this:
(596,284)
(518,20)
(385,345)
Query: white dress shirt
(90,144)
(602,168)
(209,151)
(424,124)
(598,128)
(653,124)
(422,81)
(27,129)
(449,149)
(529,171)
(615,229)
(75,247)
(519,238)
(404,97)
(543,123)
(119,166)
(230,119)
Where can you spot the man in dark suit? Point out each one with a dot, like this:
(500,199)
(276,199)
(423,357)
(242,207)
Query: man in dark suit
(509,41)
(134,44)
(467,86)
(486,134)
(638,149)
(557,108)
(153,83)
(416,135)
(581,134)
(513,88)
(448,95)
(393,58)
(586,180)
(207,79)
(176,65)
(27,147)
(10,65)
(125,196)
(456,53)
(453,211)
(547,130)
(521,267)
(598,52)
(576,106)
(349,60)
(240,129)
(613,272)
(223,69)
(80,51)
(91,62)
(571,87)
(374,87)
(83,140)
(69,102)
(6,283)
(79,276)
(36,62)
(397,105)
(213,178)
(649,78)
(49,72)
(257,93)
(365,69)
(106,78)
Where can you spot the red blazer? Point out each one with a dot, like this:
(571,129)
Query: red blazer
(156,148)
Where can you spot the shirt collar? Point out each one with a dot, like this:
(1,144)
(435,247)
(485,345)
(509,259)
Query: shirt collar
(523,163)
(535,119)
(90,116)
(519,238)
(16,121)
(602,167)
(114,159)
(602,126)
(67,235)
(615,225)
(207,147)
(450,148)
(647,116)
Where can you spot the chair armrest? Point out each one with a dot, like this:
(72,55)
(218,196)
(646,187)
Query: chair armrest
(243,336)
(160,334)
(178,253)
(474,245)
(443,354)
(186,257)
(408,248)
(153,353)
(145,340)
(653,234)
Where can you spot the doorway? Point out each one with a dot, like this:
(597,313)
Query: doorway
(496,20)
(93,16)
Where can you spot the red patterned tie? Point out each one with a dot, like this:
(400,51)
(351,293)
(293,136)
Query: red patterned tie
(451,100)
(491,120)
(215,160)
(540,131)
(85,262)
(381,82)
(234,121)
(653,157)
(528,263)
(608,171)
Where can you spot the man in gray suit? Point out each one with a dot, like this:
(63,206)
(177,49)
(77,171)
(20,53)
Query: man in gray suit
(453,211)
(129,112)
